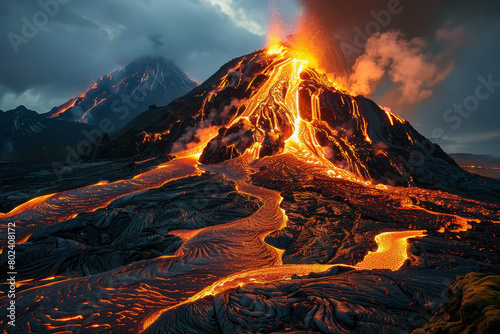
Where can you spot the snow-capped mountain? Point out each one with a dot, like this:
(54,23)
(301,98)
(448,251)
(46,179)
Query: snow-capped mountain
(113,100)
(126,93)
(22,122)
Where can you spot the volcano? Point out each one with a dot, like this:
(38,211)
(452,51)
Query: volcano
(125,93)
(286,205)
(275,100)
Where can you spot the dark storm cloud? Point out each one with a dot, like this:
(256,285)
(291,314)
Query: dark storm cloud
(87,39)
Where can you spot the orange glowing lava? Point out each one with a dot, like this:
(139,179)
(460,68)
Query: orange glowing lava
(287,71)
(65,107)
(31,204)
(391,252)
(262,275)
(53,208)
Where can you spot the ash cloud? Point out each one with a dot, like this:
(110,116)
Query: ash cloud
(372,39)
(406,63)
(351,23)
(461,44)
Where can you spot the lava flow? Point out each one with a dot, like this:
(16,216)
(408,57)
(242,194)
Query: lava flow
(53,208)
(275,108)
(391,252)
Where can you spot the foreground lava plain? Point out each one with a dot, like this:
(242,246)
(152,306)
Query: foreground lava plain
(255,229)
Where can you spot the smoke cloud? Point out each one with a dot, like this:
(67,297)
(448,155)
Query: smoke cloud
(406,63)
(384,44)
(195,135)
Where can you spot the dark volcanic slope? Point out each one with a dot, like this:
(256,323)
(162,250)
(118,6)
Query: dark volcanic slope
(334,221)
(273,98)
(114,266)
(126,93)
(341,301)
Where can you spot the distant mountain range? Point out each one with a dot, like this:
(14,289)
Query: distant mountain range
(106,107)
(27,135)
(484,165)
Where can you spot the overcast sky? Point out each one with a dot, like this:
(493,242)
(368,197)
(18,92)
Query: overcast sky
(84,40)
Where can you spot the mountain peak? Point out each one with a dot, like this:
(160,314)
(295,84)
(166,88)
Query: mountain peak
(22,108)
(127,92)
